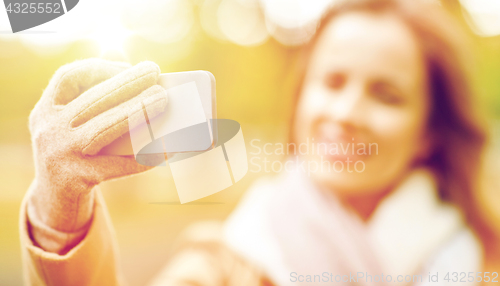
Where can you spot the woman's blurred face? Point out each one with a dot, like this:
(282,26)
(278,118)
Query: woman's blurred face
(364,104)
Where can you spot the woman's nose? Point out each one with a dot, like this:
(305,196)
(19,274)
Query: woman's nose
(347,107)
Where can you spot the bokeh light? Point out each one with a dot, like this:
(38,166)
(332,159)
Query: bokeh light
(293,22)
(159,21)
(112,37)
(242,22)
(209,23)
(484,16)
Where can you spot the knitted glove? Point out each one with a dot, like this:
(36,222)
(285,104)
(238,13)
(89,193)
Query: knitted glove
(84,108)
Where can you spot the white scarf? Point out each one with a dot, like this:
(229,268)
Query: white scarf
(290,228)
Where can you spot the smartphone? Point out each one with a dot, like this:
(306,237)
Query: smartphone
(185,125)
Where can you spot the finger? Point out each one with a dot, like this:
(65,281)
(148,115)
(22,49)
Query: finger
(111,167)
(112,92)
(108,126)
(69,81)
(72,79)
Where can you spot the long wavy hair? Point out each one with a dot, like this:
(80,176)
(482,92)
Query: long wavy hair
(458,130)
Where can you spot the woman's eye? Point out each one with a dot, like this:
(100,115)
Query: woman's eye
(386,94)
(335,80)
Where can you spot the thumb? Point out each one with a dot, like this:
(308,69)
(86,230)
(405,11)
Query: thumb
(111,167)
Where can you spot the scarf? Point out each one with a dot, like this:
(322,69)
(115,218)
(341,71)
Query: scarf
(301,235)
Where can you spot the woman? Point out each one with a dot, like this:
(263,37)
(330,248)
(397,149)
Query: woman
(387,74)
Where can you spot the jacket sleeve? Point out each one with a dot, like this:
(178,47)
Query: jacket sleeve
(91,262)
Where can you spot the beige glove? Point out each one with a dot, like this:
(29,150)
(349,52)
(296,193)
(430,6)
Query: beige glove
(85,107)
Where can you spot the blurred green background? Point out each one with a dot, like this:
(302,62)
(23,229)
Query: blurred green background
(255,85)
